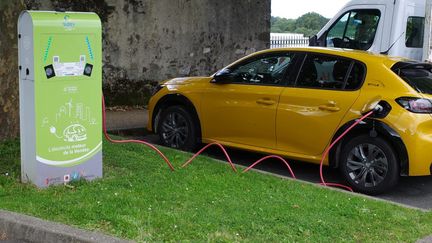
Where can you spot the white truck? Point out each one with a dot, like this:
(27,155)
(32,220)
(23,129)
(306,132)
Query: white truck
(393,27)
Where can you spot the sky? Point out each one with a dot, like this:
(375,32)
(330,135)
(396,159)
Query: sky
(292,9)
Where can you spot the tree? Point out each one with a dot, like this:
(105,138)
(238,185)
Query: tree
(282,25)
(312,21)
(307,24)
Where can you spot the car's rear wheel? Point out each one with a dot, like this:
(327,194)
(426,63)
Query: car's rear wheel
(177,128)
(369,164)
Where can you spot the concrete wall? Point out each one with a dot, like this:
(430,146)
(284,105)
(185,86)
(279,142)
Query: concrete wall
(145,41)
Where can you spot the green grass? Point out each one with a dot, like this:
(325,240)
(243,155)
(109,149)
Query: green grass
(141,199)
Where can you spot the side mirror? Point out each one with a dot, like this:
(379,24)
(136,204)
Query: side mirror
(313,40)
(222,77)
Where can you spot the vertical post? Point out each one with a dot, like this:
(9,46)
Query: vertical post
(427,33)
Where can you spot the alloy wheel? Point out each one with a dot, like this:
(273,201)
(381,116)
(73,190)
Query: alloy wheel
(174,130)
(367,165)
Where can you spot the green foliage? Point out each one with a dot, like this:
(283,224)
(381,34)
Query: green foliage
(282,25)
(9,162)
(307,24)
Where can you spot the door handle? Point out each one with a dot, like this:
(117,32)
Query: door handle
(265,102)
(329,108)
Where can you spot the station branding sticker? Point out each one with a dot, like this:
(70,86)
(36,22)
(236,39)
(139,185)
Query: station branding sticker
(69,68)
(66,69)
(69,142)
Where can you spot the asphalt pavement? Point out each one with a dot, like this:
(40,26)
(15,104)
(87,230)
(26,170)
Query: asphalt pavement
(411,191)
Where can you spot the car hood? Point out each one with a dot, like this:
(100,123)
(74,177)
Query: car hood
(187,80)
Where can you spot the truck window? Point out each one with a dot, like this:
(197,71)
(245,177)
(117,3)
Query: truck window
(414,32)
(356,29)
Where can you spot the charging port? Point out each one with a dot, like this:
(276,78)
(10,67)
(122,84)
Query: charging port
(381,110)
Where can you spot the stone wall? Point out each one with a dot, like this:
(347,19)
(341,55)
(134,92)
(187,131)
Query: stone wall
(144,41)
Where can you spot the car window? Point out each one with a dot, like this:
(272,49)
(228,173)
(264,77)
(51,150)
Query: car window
(356,76)
(267,70)
(418,76)
(414,32)
(355,29)
(321,71)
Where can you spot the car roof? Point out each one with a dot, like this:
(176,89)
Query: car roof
(363,56)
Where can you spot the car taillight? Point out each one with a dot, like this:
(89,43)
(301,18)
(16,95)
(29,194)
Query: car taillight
(416,105)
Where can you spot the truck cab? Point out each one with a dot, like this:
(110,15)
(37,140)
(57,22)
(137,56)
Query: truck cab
(393,27)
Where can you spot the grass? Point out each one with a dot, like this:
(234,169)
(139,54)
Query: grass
(140,199)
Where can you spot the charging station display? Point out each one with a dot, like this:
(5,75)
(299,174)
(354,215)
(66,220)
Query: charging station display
(60,71)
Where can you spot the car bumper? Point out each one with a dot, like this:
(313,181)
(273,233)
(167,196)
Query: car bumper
(417,137)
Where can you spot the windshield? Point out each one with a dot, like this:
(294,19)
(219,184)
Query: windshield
(355,29)
(417,75)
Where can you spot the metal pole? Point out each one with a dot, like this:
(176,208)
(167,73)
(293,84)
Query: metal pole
(427,33)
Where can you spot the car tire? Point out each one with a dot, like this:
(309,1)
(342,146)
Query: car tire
(369,164)
(177,128)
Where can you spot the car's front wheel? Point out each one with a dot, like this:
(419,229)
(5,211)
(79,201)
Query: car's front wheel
(177,128)
(369,164)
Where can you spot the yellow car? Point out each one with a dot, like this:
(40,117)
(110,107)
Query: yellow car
(294,102)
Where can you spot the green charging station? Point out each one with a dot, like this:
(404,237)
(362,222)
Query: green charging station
(60,84)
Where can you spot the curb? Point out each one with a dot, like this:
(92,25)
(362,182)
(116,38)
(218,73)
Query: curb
(123,120)
(425,240)
(14,226)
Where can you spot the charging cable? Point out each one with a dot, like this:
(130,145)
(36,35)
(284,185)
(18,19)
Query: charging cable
(207,146)
(131,141)
(377,108)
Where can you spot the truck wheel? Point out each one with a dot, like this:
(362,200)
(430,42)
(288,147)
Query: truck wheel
(177,128)
(369,164)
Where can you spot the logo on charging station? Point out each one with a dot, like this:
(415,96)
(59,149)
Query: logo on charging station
(72,133)
(75,176)
(67,24)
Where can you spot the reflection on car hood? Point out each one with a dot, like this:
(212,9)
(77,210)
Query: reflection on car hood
(186,80)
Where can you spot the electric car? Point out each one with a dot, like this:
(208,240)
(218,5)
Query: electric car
(294,102)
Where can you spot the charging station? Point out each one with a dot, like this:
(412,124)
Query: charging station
(60,88)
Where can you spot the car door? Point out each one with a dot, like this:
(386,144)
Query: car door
(242,110)
(311,110)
